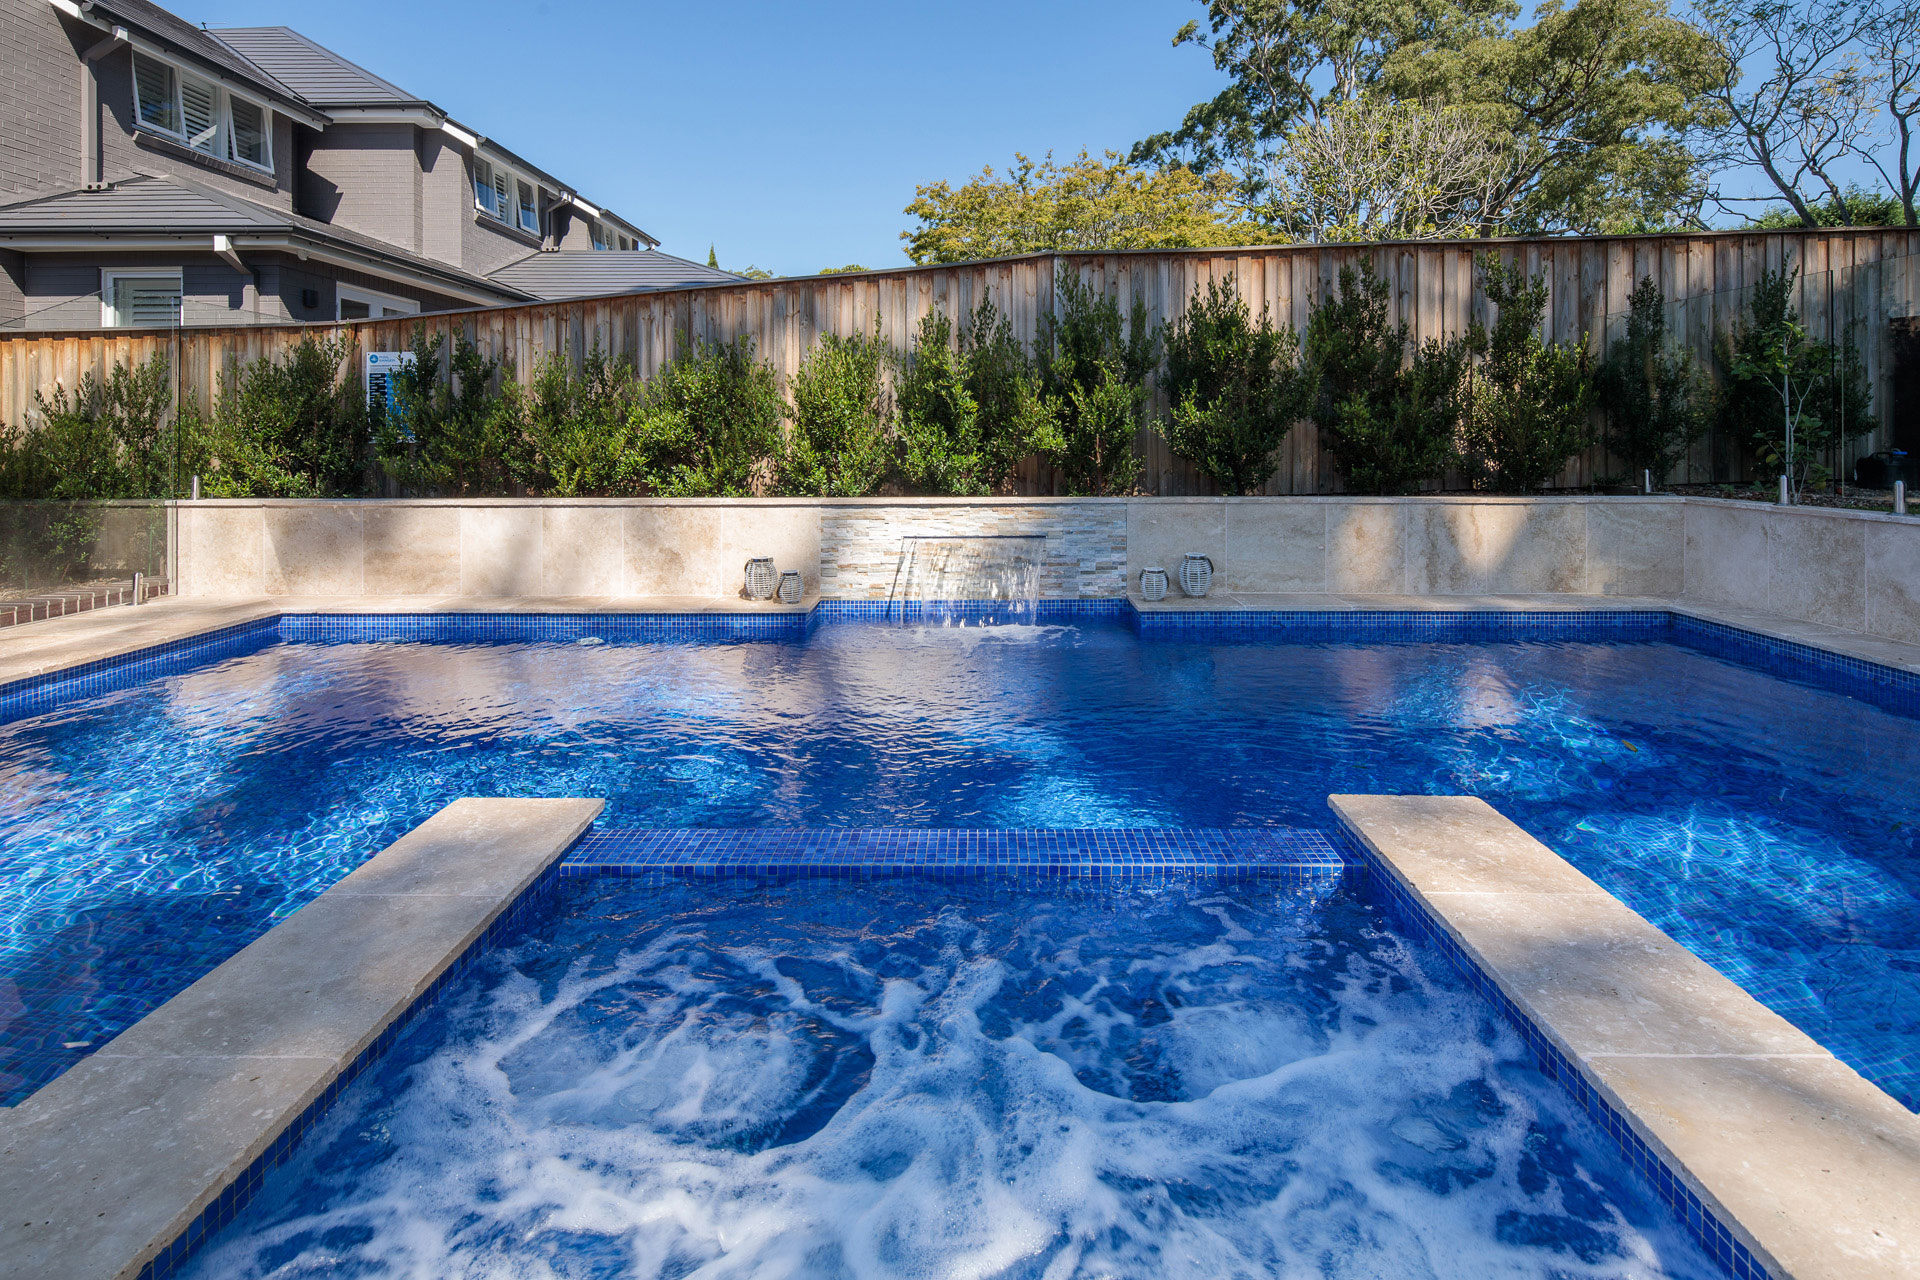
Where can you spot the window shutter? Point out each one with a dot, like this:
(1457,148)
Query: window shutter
(200,112)
(146,301)
(501,200)
(248,141)
(153,94)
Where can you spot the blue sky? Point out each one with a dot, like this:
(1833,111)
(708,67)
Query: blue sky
(791,135)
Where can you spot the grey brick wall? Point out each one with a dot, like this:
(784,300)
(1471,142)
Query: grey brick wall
(365,177)
(13,287)
(446,200)
(62,291)
(39,101)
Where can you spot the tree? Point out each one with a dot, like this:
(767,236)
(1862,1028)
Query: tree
(1380,169)
(291,427)
(448,434)
(1793,97)
(1893,53)
(1527,412)
(576,426)
(1236,388)
(970,406)
(1287,62)
(1596,98)
(1589,103)
(1094,369)
(1654,399)
(840,445)
(707,425)
(1386,413)
(1084,204)
(1794,397)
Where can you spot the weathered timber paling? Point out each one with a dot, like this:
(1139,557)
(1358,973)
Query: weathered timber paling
(1852,280)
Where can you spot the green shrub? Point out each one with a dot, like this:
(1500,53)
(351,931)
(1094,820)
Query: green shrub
(1236,387)
(574,426)
(706,425)
(841,444)
(111,437)
(1793,398)
(970,406)
(450,433)
(287,428)
(1388,417)
(1527,415)
(1654,399)
(1094,371)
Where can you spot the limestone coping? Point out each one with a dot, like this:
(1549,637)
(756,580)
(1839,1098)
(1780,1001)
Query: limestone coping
(108,1164)
(1810,1166)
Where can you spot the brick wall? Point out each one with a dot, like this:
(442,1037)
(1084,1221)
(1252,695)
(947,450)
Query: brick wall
(365,177)
(39,100)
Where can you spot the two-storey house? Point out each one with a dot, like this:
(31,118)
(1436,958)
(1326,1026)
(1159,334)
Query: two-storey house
(157,173)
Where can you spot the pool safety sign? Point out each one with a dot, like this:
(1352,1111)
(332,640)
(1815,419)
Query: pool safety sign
(383,397)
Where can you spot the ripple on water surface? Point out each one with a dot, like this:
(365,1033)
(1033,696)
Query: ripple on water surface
(906,1080)
(1770,826)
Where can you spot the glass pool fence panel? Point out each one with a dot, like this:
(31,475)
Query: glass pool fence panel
(1858,313)
(50,548)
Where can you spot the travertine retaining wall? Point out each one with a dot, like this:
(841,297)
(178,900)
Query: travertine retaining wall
(1847,569)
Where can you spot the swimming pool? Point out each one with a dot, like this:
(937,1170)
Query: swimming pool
(911,1078)
(148,831)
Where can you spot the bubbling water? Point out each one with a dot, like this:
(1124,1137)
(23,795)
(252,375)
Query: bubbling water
(915,1080)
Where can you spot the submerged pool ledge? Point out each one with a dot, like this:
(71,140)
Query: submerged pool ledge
(1779,1157)
(123,1165)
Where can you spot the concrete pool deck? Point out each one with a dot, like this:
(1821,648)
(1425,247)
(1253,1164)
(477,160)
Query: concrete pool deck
(133,1154)
(1813,1169)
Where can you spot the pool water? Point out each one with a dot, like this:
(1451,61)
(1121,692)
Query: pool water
(918,1079)
(1769,825)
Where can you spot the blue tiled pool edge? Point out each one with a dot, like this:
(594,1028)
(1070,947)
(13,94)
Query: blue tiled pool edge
(1884,685)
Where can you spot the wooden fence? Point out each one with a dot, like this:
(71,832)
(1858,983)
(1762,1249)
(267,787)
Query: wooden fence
(1851,281)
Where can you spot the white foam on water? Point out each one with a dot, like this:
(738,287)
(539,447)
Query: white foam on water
(1065,1093)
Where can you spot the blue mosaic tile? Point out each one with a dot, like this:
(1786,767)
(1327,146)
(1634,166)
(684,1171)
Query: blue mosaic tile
(1411,916)
(1280,855)
(1305,625)
(36,695)
(474,628)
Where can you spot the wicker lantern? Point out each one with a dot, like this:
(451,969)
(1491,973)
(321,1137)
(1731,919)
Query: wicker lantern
(1196,575)
(790,587)
(761,579)
(1153,584)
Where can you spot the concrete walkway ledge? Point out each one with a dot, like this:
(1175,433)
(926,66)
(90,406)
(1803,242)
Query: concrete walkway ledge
(1778,1157)
(125,1164)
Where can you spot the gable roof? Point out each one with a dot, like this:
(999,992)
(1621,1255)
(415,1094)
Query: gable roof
(318,74)
(586,273)
(175,207)
(200,45)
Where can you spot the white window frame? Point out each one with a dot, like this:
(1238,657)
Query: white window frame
(223,98)
(519,207)
(109,276)
(374,301)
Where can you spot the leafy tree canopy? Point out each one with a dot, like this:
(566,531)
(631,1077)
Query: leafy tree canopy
(1087,203)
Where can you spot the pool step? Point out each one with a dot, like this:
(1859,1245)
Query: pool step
(960,853)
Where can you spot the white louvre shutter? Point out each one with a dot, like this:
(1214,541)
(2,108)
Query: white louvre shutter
(501,200)
(146,301)
(248,139)
(200,109)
